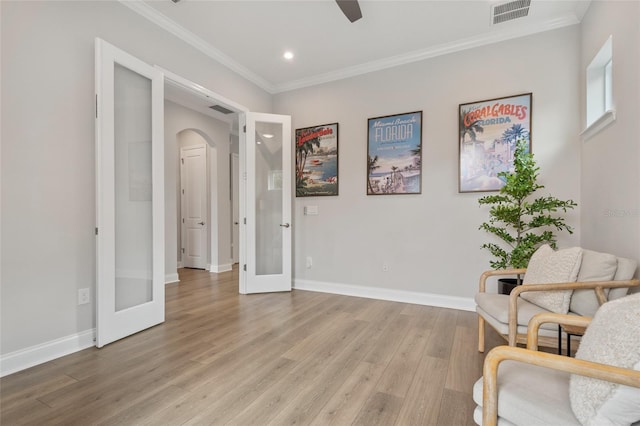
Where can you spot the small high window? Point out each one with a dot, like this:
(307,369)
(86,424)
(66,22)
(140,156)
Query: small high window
(600,108)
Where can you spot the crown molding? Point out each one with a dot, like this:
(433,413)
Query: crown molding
(431,52)
(148,12)
(193,40)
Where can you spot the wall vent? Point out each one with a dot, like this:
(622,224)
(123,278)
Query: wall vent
(509,11)
(221,109)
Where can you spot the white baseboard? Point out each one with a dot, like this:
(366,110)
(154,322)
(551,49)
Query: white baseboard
(44,352)
(171,278)
(220,268)
(416,298)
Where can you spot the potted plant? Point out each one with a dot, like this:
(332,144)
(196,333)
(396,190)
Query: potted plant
(522,223)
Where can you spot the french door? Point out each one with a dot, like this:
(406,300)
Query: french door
(265,258)
(129,194)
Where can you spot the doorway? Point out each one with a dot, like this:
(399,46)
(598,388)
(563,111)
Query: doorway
(189,122)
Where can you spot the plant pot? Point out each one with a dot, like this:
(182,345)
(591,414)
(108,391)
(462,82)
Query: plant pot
(505,285)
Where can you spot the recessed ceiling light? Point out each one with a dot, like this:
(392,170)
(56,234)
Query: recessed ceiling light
(288,55)
(268,135)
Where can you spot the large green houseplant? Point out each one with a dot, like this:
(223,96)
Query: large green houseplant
(522,223)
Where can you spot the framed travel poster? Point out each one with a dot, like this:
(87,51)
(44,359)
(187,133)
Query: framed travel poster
(394,160)
(488,132)
(317,161)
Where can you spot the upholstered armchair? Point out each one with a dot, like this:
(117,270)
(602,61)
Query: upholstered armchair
(601,386)
(574,281)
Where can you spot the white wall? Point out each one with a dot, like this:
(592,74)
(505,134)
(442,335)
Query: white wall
(216,132)
(431,241)
(610,219)
(47,169)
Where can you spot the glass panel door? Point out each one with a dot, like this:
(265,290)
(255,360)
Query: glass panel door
(267,257)
(129,195)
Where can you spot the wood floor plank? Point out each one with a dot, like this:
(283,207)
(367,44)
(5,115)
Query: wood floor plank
(465,367)
(283,393)
(344,406)
(402,367)
(24,412)
(441,337)
(285,358)
(381,409)
(456,409)
(421,406)
(245,389)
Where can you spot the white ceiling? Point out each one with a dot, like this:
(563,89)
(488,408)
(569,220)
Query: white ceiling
(250,36)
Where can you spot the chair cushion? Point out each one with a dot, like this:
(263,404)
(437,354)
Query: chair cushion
(612,338)
(626,270)
(547,266)
(595,266)
(531,395)
(497,306)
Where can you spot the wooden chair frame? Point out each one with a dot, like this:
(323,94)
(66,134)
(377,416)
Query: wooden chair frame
(513,338)
(530,355)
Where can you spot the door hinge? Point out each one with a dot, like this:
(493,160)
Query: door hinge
(244,128)
(96,105)
(182,250)
(96,230)
(183,191)
(183,220)
(245,220)
(182,159)
(244,267)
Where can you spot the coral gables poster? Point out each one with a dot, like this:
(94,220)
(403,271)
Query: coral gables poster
(317,160)
(489,131)
(394,161)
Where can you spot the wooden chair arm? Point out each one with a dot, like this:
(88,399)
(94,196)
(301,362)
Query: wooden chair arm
(579,285)
(550,317)
(498,354)
(497,272)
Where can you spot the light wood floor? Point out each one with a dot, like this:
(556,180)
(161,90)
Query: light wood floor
(289,358)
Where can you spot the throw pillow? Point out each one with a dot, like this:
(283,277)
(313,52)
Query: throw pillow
(626,270)
(547,266)
(594,267)
(612,338)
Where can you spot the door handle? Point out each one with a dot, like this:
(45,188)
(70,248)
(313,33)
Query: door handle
(201,223)
(285,225)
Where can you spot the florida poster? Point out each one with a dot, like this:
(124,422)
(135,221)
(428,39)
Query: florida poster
(489,131)
(394,160)
(317,160)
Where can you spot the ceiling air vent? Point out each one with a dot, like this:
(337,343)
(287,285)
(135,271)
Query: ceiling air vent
(221,109)
(504,12)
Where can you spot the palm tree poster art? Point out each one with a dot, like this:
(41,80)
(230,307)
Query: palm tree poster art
(317,160)
(394,160)
(489,131)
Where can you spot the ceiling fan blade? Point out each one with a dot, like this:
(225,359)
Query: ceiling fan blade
(351,9)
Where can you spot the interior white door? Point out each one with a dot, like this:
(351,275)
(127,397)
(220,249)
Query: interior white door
(235,208)
(129,194)
(193,170)
(266,256)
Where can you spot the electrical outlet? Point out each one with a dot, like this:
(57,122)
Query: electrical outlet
(309,262)
(83,296)
(385,267)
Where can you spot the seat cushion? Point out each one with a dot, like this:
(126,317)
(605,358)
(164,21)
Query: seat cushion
(531,395)
(547,266)
(496,306)
(595,266)
(612,338)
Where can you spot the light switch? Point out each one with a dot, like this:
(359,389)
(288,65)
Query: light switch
(311,210)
